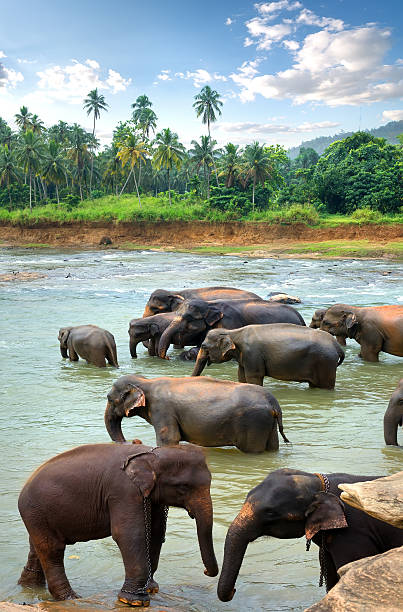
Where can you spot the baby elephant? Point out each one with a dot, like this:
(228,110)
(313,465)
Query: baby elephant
(281,350)
(316,322)
(89,342)
(205,411)
(393,415)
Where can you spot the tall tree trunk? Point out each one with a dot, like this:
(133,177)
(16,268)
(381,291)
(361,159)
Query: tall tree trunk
(169,187)
(57,195)
(30,192)
(137,189)
(127,180)
(212,157)
(253,193)
(92,157)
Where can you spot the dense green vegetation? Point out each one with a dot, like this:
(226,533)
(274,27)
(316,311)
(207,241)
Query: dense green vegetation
(59,174)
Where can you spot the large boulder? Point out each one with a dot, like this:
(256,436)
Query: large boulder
(284,298)
(372,584)
(381,498)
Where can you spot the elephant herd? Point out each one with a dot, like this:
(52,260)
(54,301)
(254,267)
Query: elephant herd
(124,490)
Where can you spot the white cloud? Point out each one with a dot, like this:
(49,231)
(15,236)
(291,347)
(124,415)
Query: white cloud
(229,21)
(2,54)
(9,77)
(165,75)
(25,61)
(266,34)
(291,45)
(335,68)
(71,83)
(267,8)
(200,77)
(307,17)
(392,115)
(272,128)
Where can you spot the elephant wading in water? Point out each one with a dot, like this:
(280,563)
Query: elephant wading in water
(98,490)
(205,411)
(394,415)
(162,300)
(280,350)
(89,342)
(317,319)
(289,504)
(375,328)
(151,329)
(198,316)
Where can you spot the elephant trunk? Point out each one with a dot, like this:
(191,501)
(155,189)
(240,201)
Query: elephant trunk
(202,509)
(391,421)
(133,346)
(201,361)
(113,424)
(148,312)
(63,352)
(166,337)
(236,543)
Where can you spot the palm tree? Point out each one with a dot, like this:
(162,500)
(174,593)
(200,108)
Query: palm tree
(30,155)
(23,119)
(139,105)
(94,103)
(229,164)
(37,125)
(207,104)
(8,169)
(54,169)
(169,153)
(59,132)
(256,165)
(131,152)
(203,156)
(77,152)
(145,118)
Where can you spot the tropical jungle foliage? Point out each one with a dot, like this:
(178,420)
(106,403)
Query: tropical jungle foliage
(53,170)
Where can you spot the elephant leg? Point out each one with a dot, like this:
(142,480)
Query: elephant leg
(272,441)
(341,340)
(167,432)
(241,374)
(50,551)
(32,574)
(99,362)
(73,356)
(158,526)
(253,377)
(369,352)
(152,347)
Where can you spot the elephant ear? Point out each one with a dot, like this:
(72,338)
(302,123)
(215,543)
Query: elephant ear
(154,329)
(351,325)
(141,471)
(325,512)
(213,316)
(226,345)
(136,399)
(176,301)
(63,335)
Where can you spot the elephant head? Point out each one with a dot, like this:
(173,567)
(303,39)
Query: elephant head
(340,320)
(194,317)
(64,333)
(162,301)
(125,399)
(287,504)
(141,330)
(217,347)
(317,318)
(178,476)
(393,415)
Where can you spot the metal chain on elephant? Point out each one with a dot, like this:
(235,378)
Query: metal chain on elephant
(325,485)
(147,530)
(166,510)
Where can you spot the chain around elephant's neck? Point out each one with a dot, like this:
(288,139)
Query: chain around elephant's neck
(325,486)
(324,481)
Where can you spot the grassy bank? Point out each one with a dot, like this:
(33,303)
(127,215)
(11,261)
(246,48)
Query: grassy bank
(127,209)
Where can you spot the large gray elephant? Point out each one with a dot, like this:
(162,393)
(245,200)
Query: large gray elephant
(316,321)
(394,415)
(205,411)
(97,490)
(199,316)
(162,300)
(290,503)
(89,342)
(375,328)
(281,350)
(151,329)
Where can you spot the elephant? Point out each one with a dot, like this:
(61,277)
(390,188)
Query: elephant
(151,328)
(167,301)
(90,342)
(206,411)
(317,319)
(97,490)
(375,328)
(289,503)
(394,415)
(281,350)
(201,316)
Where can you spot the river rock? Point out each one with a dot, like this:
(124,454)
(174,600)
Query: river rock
(284,298)
(20,276)
(381,498)
(372,584)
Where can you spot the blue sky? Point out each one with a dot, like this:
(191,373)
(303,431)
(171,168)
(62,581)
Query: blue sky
(287,71)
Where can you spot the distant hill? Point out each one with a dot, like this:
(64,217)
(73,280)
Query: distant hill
(389,131)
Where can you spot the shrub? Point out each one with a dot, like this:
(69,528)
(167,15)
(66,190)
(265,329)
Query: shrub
(366,215)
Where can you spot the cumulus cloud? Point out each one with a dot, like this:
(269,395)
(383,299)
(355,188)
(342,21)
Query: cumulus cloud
(9,77)
(291,45)
(25,61)
(335,68)
(392,115)
(268,8)
(228,21)
(2,54)
(164,75)
(272,128)
(266,34)
(309,18)
(201,77)
(72,83)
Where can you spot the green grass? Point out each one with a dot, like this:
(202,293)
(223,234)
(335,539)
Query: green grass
(351,248)
(126,209)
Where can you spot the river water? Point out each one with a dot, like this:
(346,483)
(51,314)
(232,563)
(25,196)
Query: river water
(49,405)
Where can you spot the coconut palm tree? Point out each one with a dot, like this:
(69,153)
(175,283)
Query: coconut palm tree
(30,154)
(169,153)
(145,118)
(8,169)
(23,119)
(141,103)
(132,151)
(207,104)
(256,166)
(54,168)
(37,125)
(77,153)
(203,156)
(59,132)
(94,103)
(229,164)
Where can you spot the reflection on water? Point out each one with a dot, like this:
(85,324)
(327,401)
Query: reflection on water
(50,405)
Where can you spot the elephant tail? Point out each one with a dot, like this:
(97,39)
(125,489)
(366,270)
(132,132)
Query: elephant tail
(276,412)
(340,353)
